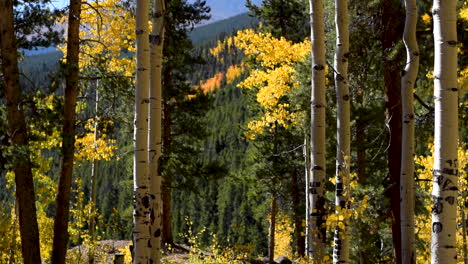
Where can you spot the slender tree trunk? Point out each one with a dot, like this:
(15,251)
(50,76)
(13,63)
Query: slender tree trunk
(341,238)
(445,185)
(308,195)
(463,217)
(167,238)
(94,170)
(60,241)
(155,139)
(391,32)
(271,240)
(361,149)
(318,157)
(18,135)
(407,201)
(142,200)
(298,229)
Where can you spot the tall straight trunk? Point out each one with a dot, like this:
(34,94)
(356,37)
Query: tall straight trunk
(271,240)
(155,139)
(298,229)
(142,200)
(308,195)
(465,250)
(341,238)
(94,170)
(445,185)
(407,201)
(391,33)
(318,157)
(18,136)
(60,241)
(167,237)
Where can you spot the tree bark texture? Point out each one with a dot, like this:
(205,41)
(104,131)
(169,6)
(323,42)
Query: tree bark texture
(142,200)
(271,240)
(308,228)
(18,137)
(445,185)
(391,33)
(155,138)
(60,241)
(167,237)
(407,189)
(318,157)
(341,237)
(94,170)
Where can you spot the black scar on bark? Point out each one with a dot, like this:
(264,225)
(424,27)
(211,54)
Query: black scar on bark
(146,201)
(315,184)
(437,207)
(437,227)
(319,67)
(450,200)
(157,233)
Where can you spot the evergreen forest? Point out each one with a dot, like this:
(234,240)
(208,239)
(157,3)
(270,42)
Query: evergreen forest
(299,132)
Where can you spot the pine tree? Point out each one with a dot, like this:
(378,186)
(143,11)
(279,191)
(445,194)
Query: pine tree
(18,136)
(60,242)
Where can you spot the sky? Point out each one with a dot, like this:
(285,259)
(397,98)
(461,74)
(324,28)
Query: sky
(220,9)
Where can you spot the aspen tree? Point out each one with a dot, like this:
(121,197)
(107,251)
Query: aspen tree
(18,136)
(141,214)
(308,233)
(341,237)
(445,184)
(408,254)
(60,241)
(155,140)
(318,104)
(94,170)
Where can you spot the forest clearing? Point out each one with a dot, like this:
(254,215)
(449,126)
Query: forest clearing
(291,131)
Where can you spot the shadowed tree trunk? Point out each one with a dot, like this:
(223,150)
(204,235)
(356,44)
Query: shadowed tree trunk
(391,32)
(298,214)
(407,201)
(155,138)
(60,242)
(18,136)
(317,147)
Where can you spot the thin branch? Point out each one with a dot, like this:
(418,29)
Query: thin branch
(431,109)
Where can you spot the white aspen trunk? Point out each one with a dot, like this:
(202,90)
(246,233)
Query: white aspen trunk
(318,105)
(308,232)
(445,185)
(407,189)
(341,237)
(94,166)
(142,206)
(155,140)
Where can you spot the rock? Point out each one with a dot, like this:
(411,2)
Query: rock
(283,260)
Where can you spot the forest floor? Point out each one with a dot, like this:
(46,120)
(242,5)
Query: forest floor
(107,250)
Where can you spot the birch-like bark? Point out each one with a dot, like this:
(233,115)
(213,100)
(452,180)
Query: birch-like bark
(407,189)
(94,169)
(318,106)
(60,242)
(445,185)
(341,237)
(141,214)
(18,136)
(155,140)
(308,229)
